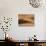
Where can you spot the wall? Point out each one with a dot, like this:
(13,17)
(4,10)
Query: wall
(12,8)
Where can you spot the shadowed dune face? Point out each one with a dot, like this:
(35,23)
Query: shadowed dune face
(26,19)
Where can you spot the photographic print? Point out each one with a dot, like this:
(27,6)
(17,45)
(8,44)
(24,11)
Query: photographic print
(26,20)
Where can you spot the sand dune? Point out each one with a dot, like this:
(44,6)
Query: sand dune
(26,19)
